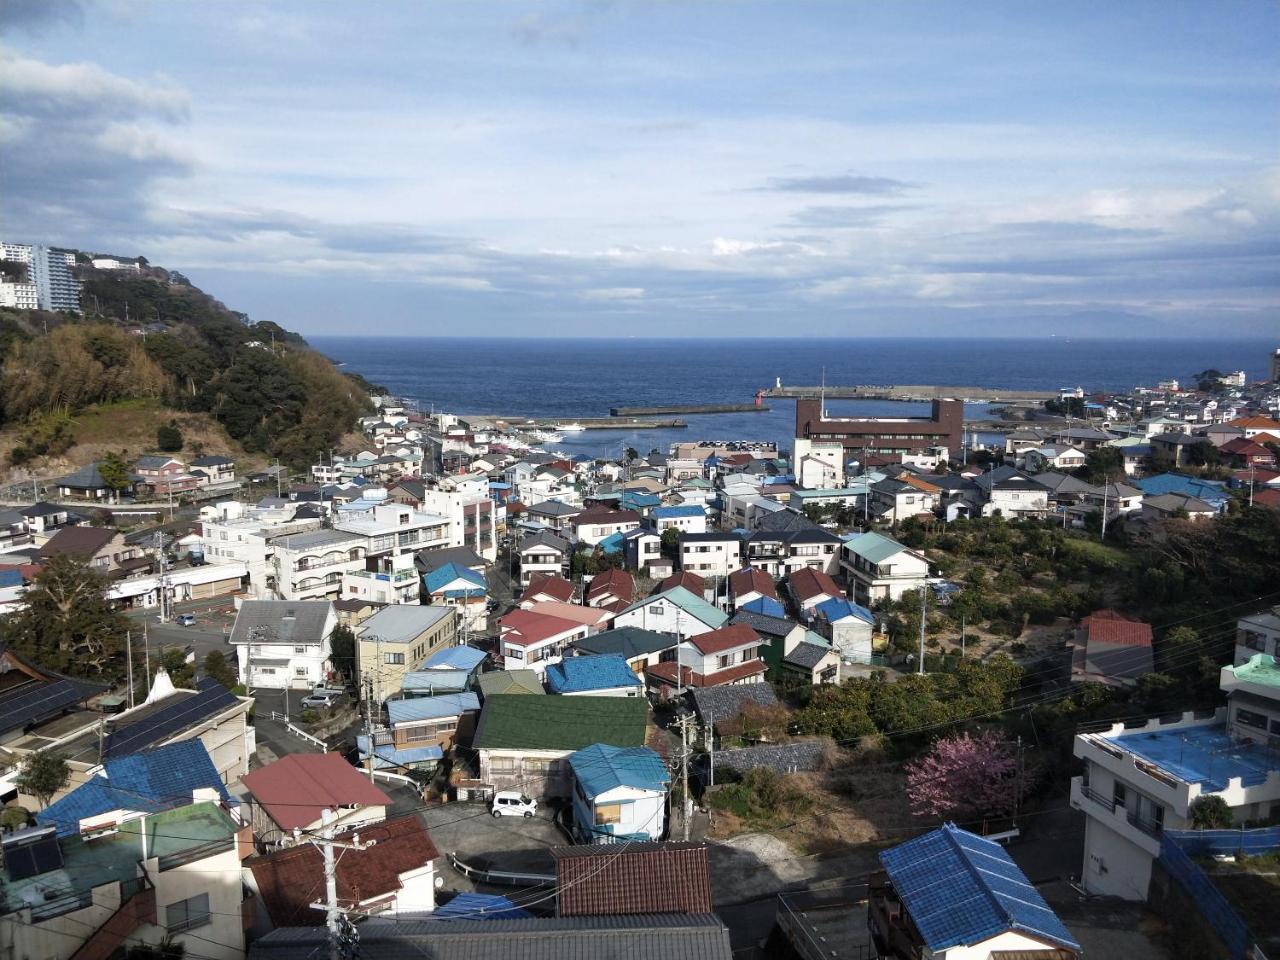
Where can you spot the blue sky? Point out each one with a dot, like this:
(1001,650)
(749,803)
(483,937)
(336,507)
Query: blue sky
(662,168)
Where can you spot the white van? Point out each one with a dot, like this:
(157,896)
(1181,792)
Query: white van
(512,803)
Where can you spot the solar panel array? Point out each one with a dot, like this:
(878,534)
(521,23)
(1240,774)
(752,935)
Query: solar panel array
(32,703)
(211,698)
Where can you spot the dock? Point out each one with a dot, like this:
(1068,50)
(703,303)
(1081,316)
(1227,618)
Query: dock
(911,392)
(587,423)
(690,409)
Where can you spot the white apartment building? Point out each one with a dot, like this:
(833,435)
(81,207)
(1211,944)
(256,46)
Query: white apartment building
(1258,633)
(111,263)
(236,533)
(49,271)
(389,578)
(465,503)
(20,296)
(711,554)
(1139,781)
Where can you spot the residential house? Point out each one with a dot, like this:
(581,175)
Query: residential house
(619,794)
(894,500)
(612,590)
(808,588)
(642,551)
(716,705)
(542,552)
(1083,438)
(1018,441)
(141,877)
(711,554)
(429,560)
(544,588)
(729,655)
(393,641)
(84,484)
(813,660)
(1242,452)
(42,518)
(535,640)
(162,476)
(296,791)
(213,471)
(1177,447)
(1054,457)
(1256,424)
(420,730)
(1170,506)
(603,675)
(1010,493)
(1258,633)
(639,648)
(554,515)
(847,625)
(283,643)
(31,695)
(1210,491)
(461,587)
(509,681)
(787,540)
(953,895)
(676,611)
(522,742)
(391,872)
(640,877)
(598,523)
(880,568)
(683,578)
(1140,780)
(777,634)
(102,548)
(1111,648)
(749,584)
(683,519)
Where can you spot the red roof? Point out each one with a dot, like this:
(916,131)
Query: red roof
(612,583)
(1267,498)
(690,581)
(1108,626)
(1240,446)
(548,586)
(287,880)
(601,880)
(600,514)
(666,672)
(726,638)
(807,583)
(1256,423)
(295,789)
(524,627)
(752,580)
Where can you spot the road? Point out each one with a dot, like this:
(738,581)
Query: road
(210,632)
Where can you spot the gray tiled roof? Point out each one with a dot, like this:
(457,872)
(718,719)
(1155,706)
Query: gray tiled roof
(763,623)
(674,936)
(725,703)
(281,621)
(807,655)
(782,757)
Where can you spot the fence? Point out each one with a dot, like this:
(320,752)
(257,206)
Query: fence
(1176,849)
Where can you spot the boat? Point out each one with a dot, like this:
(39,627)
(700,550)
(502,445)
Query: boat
(570,427)
(545,436)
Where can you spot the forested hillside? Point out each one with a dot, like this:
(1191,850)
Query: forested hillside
(155,337)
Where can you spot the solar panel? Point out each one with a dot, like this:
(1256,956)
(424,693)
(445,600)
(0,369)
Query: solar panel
(32,703)
(210,698)
(29,853)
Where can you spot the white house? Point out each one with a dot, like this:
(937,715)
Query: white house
(711,554)
(724,657)
(618,793)
(283,643)
(1258,633)
(880,568)
(1140,781)
(684,519)
(542,552)
(676,611)
(533,641)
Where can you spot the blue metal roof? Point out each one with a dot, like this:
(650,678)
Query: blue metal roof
(149,781)
(431,708)
(10,578)
(601,768)
(611,544)
(837,608)
(454,658)
(429,682)
(448,573)
(599,672)
(683,510)
(961,889)
(480,906)
(387,757)
(766,605)
(1181,483)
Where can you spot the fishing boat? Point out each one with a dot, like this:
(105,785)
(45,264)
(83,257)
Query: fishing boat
(570,427)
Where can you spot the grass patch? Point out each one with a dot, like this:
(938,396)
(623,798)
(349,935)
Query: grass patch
(1096,553)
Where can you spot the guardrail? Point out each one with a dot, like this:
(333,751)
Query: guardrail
(396,777)
(504,877)
(298,731)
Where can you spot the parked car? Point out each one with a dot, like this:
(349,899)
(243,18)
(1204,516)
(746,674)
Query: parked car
(185,620)
(513,803)
(322,699)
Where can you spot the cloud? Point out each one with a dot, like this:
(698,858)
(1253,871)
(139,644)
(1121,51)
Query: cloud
(35,16)
(842,217)
(841,183)
(58,92)
(537,28)
(613,294)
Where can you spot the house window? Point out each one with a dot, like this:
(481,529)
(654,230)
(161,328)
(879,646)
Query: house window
(656,609)
(1251,719)
(503,765)
(267,670)
(394,659)
(187,914)
(299,671)
(609,813)
(299,649)
(1118,794)
(1255,641)
(723,661)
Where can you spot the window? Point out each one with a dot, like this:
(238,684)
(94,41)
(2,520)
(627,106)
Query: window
(1254,641)
(394,659)
(187,914)
(299,671)
(1251,719)
(299,649)
(503,765)
(723,661)
(609,812)
(656,609)
(1118,794)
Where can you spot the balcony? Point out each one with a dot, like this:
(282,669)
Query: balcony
(1139,831)
(395,576)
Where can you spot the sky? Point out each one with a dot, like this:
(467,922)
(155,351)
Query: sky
(663,168)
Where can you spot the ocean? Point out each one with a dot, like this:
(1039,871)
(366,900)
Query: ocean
(568,378)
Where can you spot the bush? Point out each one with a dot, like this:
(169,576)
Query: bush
(169,437)
(14,818)
(1210,813)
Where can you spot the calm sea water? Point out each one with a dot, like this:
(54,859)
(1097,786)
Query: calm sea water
(585,377)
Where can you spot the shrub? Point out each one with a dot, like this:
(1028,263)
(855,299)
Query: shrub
(1210,813)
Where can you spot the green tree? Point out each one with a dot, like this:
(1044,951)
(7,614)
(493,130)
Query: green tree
(66,623)
(114,470)
(342,650)
(175,664)
(631,454)
(1210,812)
(43,774)
(167,949)
(218,668)
(671,541)
(169,437)
(1102,464)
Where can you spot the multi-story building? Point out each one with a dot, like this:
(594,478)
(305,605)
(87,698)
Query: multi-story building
(1139,781)
(711,554)
(49,271)
(465,503)
(388,578)
(1258,633)
(396,639)
(880,568)
(944,427)
(283,643)
(17,294)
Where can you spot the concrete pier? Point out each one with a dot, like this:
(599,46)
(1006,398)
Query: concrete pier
(688,409)
(911,392)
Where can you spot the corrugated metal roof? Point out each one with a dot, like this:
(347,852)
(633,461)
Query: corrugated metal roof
(454,658)
(873,547)
(601,768)
(402,622)
(599,672)
(431,708)
(961,889)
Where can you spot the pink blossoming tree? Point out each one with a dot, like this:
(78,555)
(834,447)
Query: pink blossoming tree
(963,776)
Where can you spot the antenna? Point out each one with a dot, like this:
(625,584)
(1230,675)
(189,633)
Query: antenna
(822,401)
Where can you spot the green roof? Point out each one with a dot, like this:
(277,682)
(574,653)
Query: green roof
(513,722)
(509,681)
(687,601)
(873,547)
(1261,668)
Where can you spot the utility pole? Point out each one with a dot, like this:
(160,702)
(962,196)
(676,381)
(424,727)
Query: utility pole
(128,652)
(924,608)
(146,648)
(333,914)
(684,775)
(1105,491)
(164,576)
(368,723)
(711,747)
